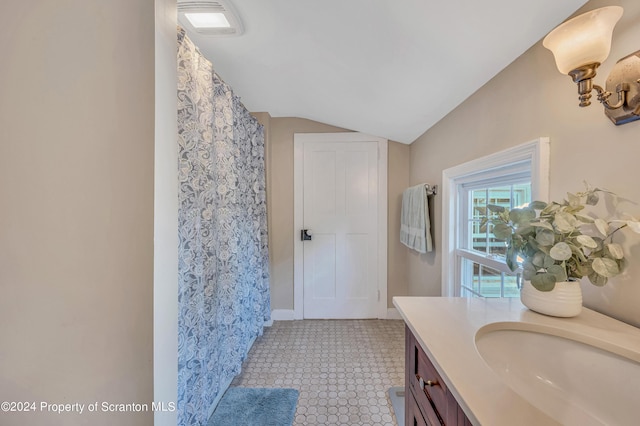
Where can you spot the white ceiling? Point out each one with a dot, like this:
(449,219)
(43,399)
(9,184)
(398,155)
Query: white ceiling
(389,68)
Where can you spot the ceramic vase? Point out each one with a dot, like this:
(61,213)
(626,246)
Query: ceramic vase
(565,300)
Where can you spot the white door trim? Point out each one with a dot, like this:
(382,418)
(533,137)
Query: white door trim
(298,140)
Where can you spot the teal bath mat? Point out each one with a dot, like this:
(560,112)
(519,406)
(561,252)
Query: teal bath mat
(255,407)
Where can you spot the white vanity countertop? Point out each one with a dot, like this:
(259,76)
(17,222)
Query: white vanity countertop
(446,328)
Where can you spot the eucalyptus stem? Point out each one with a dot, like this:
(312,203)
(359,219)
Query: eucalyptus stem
(615,230)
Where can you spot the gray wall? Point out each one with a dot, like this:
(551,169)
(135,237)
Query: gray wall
(77,196)
(529,99)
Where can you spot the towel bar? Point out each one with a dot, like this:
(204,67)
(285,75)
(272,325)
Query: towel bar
(431,190)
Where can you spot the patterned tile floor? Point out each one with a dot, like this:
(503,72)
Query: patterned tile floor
(342,368)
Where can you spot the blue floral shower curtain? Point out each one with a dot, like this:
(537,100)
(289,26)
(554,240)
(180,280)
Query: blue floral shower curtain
(223,255)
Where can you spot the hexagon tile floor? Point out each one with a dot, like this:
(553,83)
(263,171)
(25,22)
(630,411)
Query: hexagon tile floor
(342,368)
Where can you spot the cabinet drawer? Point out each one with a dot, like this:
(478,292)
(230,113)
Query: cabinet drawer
(435,404)
(432,400)
(428,379)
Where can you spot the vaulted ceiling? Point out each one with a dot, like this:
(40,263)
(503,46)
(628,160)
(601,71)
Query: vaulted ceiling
(389,68)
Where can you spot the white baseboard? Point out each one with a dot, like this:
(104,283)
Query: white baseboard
(282,315)
(288,315)
(392,313)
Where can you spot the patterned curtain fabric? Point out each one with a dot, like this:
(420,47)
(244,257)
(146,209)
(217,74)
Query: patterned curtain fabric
(223,255)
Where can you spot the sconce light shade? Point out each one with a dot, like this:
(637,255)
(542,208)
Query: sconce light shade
(583,40)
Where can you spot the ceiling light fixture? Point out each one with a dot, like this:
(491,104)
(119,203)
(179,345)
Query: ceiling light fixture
(580,45)
(207,20)
(213,18)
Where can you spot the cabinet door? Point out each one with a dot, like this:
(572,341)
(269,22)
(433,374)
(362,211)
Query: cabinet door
(413,416)
(455,415)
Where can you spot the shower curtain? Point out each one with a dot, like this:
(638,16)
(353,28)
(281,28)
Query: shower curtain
(223,255)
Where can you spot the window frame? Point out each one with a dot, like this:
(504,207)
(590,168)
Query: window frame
(465,251)
(536,153)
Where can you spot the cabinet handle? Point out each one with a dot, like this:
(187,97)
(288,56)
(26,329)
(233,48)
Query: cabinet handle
(423,383)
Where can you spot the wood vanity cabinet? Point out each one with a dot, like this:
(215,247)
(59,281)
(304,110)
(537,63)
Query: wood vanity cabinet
(428,402)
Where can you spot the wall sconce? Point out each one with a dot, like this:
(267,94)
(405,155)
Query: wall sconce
(580,45)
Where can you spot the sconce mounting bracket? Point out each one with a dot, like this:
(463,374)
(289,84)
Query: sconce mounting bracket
(626,70)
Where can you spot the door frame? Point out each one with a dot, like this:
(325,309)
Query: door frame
(299,139)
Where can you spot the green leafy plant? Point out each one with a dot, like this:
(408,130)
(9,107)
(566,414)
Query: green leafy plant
(558,242)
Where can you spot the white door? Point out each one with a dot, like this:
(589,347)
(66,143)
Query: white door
(340,210)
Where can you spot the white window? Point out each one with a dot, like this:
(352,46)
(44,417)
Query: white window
(473,260)
(481,269)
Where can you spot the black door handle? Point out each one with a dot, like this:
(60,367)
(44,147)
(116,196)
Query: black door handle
(305,235)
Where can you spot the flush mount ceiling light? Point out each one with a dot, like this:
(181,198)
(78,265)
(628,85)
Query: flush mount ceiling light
(580,45)
(208,20)
(216,18)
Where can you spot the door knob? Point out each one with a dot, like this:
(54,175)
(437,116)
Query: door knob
(305,235)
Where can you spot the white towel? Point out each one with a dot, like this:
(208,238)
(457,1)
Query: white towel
(415,226)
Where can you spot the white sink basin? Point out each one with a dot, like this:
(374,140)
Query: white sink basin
(572,382)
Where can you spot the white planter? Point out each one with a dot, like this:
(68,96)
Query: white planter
(565,300)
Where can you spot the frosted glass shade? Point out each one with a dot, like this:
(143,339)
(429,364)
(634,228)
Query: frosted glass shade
(207,20)
(584,39)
